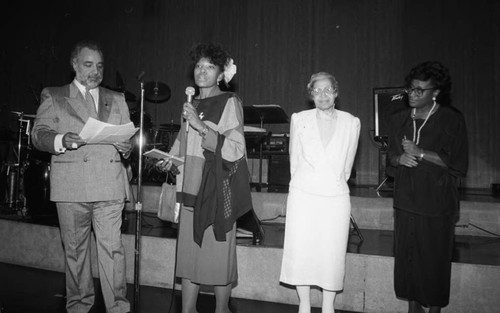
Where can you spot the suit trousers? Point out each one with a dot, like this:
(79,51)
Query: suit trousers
(76,220)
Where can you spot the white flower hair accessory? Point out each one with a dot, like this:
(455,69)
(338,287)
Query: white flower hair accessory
(229,71)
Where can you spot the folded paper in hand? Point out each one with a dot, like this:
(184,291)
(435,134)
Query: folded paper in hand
(253,129)
(158,154)
(97,132)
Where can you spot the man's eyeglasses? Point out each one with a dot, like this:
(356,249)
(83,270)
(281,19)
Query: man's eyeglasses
(318,91)
(418,91)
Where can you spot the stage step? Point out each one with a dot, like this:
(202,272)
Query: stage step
(368,284)
(370,212)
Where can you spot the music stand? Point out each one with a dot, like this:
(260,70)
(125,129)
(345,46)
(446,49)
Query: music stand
(260,114)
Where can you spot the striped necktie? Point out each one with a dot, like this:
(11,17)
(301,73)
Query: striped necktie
(90,102)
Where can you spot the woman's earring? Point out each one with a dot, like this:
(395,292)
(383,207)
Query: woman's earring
(434,100)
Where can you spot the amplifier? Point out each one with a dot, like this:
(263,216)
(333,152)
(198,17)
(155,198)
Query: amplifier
(278,178)
(278,142)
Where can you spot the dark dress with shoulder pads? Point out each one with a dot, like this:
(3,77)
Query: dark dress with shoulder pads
(426,203)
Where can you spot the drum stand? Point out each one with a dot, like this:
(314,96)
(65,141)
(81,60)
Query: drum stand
(15,201)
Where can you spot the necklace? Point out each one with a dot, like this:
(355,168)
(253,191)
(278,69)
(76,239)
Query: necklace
(416,133)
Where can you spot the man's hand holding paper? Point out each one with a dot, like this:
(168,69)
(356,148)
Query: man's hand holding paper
(72,141)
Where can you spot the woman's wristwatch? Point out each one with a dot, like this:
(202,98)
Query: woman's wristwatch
(421,156)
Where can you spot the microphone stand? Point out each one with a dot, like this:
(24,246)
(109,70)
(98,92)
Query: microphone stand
(138,209)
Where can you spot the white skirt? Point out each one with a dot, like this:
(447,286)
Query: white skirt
(316,235)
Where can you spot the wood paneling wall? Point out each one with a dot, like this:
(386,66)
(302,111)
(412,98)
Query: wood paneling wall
(277,45)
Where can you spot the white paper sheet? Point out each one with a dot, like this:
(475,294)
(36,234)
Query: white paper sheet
(97,132)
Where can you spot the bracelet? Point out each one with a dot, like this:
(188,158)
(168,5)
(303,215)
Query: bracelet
(421,156)
(203,132)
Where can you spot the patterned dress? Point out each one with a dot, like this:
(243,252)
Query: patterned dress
(214,262)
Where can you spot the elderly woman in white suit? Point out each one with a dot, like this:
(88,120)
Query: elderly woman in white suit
(323,143)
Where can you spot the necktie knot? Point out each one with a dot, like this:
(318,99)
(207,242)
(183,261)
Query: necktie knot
(88,96)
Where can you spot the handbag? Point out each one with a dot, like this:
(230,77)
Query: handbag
(168,207)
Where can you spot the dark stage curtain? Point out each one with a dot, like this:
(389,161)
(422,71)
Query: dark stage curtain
(276,46)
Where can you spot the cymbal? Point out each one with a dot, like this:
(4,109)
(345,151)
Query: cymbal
(156,91)
(170,127)
(23,114)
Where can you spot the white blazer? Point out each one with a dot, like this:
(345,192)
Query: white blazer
(317,169)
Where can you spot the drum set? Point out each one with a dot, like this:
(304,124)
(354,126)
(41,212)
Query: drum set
(25,174)
(161,138)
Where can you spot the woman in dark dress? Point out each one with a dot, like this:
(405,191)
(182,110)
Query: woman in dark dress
(428,146)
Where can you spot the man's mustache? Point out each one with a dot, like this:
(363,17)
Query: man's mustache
(96,76)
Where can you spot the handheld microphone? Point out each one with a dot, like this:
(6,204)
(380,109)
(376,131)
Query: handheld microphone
(189,93)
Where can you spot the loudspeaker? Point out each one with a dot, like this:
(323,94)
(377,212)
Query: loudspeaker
(278,177)
(386,102)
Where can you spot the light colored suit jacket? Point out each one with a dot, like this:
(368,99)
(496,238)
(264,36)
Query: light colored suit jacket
(92,172)
(317,169)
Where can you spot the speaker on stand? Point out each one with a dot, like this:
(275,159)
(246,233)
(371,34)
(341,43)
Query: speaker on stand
(386,102)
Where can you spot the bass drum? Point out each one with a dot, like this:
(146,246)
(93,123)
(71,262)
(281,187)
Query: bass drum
(147,126)
(36,181)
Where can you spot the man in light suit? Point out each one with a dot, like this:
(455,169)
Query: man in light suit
(87,182)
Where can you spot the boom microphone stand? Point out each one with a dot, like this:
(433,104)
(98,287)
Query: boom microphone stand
(138,209)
